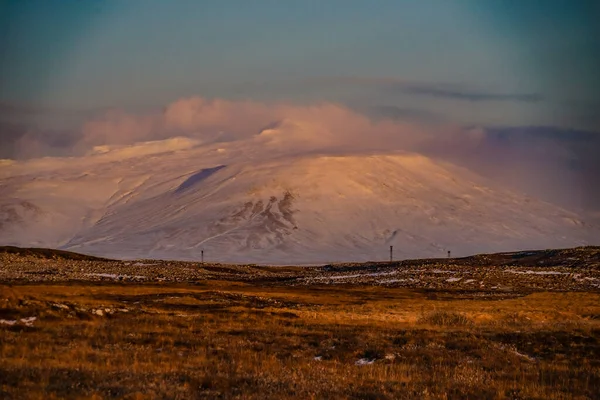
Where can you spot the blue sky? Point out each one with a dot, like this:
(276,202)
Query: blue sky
(488,62)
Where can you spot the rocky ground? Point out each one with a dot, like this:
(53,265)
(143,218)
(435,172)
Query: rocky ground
(499,274)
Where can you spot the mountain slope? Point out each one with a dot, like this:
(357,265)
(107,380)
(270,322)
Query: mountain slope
(247,204)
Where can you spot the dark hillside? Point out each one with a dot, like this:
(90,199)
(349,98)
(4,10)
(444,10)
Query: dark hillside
(49,253)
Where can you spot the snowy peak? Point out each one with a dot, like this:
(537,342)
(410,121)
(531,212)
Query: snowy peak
(241,205)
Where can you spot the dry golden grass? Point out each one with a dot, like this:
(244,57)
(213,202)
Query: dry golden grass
(235,340)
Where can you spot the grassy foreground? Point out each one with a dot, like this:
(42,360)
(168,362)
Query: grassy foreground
(238,340)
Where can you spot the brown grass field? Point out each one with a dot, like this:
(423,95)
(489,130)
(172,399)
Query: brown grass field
(226,339)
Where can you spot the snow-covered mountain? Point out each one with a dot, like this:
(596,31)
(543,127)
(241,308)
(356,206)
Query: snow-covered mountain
(260,201)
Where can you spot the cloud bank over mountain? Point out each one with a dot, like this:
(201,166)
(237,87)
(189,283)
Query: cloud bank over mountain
(316,126)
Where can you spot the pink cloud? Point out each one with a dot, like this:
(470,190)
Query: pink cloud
(322,125)
(196,114)
(118,127)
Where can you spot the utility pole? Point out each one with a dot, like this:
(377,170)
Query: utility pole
(391,253)
(202,256)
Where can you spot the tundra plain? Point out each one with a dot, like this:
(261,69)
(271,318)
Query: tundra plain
(522,325)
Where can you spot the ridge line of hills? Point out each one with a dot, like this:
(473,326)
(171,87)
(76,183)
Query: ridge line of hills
(546,258)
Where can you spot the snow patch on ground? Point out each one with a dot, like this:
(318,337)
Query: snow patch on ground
(441,271)
(512,349)
(116,276)
(338,277)
(392,280)
(530,272)
(27,321)
(399,280)
(356,275)
(364,361)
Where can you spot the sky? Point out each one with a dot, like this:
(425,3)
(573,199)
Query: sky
(525,72)
(488,62)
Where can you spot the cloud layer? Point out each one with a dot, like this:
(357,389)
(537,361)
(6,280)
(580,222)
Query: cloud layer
(318,126)
(444,91)
(467,94)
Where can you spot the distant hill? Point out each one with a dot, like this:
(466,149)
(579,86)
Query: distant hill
(573,257)
(49,253)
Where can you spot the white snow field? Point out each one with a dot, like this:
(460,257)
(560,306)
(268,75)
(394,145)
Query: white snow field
(257,201)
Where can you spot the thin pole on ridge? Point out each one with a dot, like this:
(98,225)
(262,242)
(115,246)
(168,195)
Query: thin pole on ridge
(391,253)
